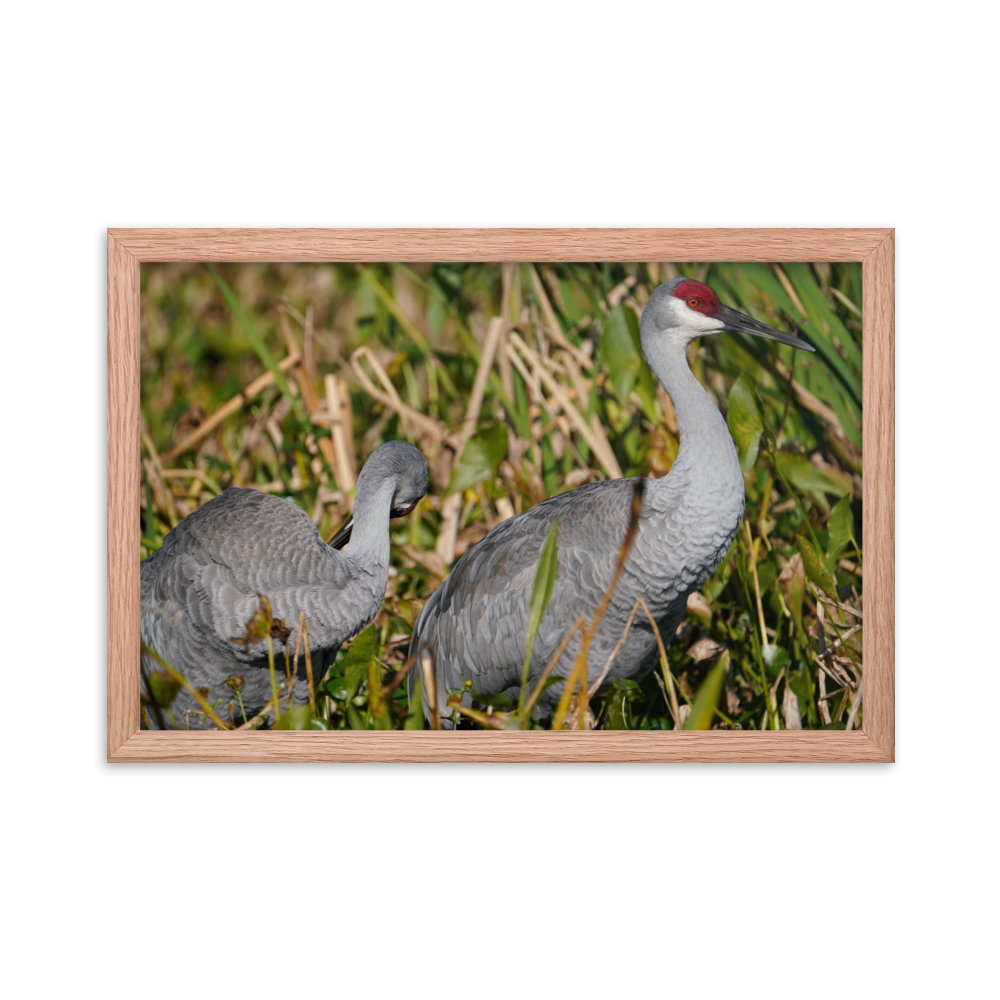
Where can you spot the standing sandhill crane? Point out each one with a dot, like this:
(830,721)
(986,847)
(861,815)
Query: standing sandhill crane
(475,624)
(198,591)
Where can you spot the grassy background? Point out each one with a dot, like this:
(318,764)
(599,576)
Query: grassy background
(778,603)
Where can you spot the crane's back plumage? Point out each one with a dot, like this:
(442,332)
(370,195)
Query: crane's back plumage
(199,590)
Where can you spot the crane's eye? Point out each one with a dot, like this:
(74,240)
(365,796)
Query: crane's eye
(694,303)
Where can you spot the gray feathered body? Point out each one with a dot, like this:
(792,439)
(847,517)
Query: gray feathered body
(200,588)
(198,591)
(475,624)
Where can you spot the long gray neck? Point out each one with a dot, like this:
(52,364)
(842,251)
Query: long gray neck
(707,455)
(369,544)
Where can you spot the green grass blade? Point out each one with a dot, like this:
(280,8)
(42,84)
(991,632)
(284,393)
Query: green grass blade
(393,306)
(541,592)
(705,701)
(818,380)
(815,567)
(820,310)
(359,656)
(480,458)
(258,345)
(823,326)
(761,276)
(415,718)
(745,422)
(841,530)
(465,335)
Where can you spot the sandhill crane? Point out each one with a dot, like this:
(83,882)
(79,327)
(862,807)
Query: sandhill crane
(198,591)
(475,624)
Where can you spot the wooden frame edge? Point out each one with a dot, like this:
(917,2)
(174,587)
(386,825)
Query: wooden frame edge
(485,747)
(879,530)
(505,244)
(127,248)
(123,486)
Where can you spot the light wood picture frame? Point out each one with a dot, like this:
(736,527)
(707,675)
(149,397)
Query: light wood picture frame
(128,248)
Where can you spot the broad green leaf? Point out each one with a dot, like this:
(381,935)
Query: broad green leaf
(354,718)
(415,719)
(841,530)
(541,592)
(803,475)
(622,352)
(816,568)
(361,653)
(480,458)
(297,717)
(163,688)
(745,421)
(336,688)
(767,572)
(707,698)
(614,714)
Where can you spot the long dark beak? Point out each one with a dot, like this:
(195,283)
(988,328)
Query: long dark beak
(343,534)
(744,324)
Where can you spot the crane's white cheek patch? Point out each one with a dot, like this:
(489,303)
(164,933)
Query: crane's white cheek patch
(704,324)
(690,320)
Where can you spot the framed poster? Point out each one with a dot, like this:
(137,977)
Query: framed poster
(874,249)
